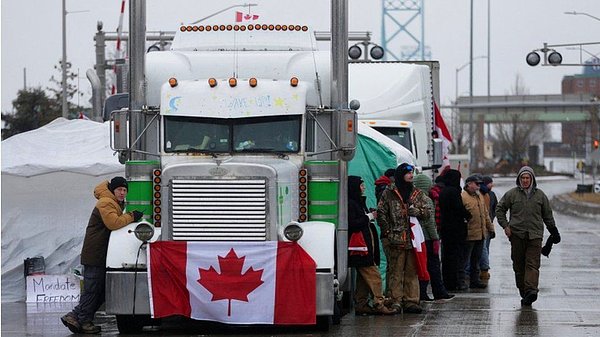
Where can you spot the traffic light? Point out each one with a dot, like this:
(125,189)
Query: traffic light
(595,144)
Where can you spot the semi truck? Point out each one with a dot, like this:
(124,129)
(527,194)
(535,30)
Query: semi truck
(238,133)
(397,99)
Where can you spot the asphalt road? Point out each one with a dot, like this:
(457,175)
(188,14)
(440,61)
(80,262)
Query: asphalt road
(567,303)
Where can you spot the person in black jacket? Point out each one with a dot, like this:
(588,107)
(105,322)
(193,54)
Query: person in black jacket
(366,261)
(453,230)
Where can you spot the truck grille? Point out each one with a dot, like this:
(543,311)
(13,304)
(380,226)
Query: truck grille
(219,210)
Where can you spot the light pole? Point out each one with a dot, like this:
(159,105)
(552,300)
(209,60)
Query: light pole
(583,13)
(63,63)
(461,68)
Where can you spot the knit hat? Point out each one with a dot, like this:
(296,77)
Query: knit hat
(117,182)
(487,180)
(401,171)
(389,173)
(422,182)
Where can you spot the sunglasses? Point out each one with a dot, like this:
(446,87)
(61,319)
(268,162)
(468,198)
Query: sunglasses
(409,168)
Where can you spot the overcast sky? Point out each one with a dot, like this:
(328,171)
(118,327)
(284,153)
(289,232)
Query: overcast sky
(31,36)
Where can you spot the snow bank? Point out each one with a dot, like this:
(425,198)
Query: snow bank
(48,176)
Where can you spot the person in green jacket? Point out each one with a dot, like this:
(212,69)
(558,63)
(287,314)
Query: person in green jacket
(529,211)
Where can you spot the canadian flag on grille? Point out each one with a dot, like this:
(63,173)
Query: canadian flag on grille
(240,17)
(238,283)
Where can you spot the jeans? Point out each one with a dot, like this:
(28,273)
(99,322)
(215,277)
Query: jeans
(471,255)
(484,263)
(92,298)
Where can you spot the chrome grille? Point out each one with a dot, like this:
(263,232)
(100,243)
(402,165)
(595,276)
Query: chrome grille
(219,210)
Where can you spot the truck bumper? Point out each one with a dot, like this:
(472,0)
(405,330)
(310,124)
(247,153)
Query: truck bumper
(120,296)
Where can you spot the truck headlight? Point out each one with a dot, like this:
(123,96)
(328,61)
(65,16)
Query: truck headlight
(293,232)
(143,232)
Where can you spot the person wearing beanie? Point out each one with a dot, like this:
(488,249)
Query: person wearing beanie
(490,196)
(106,216)
(368,278)
(395,208)
(384,182)
(432,243)
(530,210)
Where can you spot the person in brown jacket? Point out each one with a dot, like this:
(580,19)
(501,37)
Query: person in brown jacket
(107,216)
(478,228)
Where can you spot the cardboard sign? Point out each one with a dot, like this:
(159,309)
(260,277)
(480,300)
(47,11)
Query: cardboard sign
(52,288)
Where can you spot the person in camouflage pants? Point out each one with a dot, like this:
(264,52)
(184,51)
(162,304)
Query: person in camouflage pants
(394,210)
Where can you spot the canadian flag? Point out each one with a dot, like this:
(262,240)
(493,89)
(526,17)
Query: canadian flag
(239,17)
(444,134)
(418,242)
(238,283)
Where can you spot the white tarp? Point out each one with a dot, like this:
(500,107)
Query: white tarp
(48,177)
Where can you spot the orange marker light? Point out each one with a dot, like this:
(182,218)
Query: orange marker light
(232,82)
(349,126)
(252,81)
(212,82)
(294,81)
(173,82)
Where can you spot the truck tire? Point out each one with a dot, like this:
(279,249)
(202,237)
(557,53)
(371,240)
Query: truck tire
(131,324)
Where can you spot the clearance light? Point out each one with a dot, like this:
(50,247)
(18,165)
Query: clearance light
(157,195)
(195,28)
(173,82)
(303,172)
(208,28)
(157,202)
(253,82)
(302,217)
(157,217)
(157,180)
(302,180)
(294,81)
(302,187)
(302,202)
(277,27)
(271,27)
(212,82)
(182,28)
(349,125)
(157,209)
(284,28)
(157,224)
(303,195)
(304,28)
(250,27)
(222,27)
(157,188)
(264,27)
(257,26)
(188,28)
(229,27)
(200,28)
(232,82)
(215,27)
(236,28)
(242,28)
(157,172)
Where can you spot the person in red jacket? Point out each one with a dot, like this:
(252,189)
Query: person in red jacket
(107,216)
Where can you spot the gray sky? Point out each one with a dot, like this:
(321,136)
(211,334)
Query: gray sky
(31,36)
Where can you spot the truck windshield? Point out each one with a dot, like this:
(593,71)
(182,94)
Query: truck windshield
(278,134)
(399,135)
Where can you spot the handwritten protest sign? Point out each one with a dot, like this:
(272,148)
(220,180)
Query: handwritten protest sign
(52,288)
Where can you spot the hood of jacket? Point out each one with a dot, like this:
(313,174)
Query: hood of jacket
(354,192)
(526,169)
(452,178)
(102,191)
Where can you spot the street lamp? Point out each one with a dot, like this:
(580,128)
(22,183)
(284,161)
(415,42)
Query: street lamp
(63,62)
(583,13)
(552,57)
(461,68)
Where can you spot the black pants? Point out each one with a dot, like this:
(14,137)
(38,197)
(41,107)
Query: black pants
(94,279)
(452,261)
(435,274)
(471,255)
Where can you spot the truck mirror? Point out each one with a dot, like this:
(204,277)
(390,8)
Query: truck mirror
(347,128)
(119,130)
(438,156)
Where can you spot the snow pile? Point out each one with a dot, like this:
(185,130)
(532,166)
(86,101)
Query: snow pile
(48,176)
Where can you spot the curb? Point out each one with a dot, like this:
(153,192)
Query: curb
(565,204)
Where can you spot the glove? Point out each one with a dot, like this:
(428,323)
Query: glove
(492,234)
(137,215)
(412,211)
(555,236)
(436,247)
(547,247)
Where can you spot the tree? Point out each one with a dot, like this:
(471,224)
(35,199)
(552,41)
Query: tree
(32,109)
(72,89)
(514,136)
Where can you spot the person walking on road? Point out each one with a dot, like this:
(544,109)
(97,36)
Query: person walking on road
(395,208)
(107,216)
(368,278)
(432,243)
(529,211)
(479,227)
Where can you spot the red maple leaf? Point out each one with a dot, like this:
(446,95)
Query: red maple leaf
(231,284)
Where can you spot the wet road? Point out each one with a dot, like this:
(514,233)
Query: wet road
(568,303)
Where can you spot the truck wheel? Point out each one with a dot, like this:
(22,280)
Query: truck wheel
(130,324)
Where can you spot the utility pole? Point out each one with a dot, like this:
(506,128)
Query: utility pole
(63,63)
